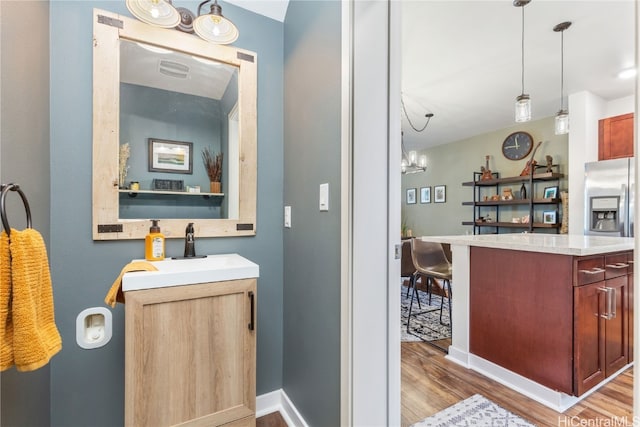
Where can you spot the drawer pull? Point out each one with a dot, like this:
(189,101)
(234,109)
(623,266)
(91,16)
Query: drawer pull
(618,265)
(594,270)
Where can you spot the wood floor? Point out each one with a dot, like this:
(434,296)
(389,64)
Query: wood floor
(273,419)
(430,383)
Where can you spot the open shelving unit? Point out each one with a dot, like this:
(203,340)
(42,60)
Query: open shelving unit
(481,189)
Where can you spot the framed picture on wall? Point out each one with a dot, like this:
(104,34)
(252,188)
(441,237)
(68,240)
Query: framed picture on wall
(170,156)
(411,196)
(440,193)
(425,195)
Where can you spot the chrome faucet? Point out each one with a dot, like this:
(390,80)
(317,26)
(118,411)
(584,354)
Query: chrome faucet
(189,242)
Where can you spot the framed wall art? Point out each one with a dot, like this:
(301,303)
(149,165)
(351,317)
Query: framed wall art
(170,156)
(411,196)
(425,195)
(440,193)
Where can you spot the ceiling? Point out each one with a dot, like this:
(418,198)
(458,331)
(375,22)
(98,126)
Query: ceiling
(461,61)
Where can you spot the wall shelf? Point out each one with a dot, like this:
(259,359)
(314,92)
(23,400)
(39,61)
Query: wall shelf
(163,192)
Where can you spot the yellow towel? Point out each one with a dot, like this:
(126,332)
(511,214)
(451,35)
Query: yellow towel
(35,335)
(115,293)
(6,325)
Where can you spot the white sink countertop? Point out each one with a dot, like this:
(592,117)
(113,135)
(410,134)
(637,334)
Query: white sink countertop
(178,272)
(565,244)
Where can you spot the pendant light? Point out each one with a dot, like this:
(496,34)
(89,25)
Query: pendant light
(411,163)
(523,102)
(562,118)
(159,13)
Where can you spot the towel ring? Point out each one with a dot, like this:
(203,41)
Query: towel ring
(5,189)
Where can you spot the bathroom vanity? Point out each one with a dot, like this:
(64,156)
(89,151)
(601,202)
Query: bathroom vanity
(190,345)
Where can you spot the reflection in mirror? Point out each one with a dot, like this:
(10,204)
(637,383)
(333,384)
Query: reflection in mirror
(160,97)
(181,99)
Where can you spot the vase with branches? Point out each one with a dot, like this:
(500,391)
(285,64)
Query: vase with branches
(213,165)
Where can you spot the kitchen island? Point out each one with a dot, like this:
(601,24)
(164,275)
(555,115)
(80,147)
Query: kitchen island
(548,315)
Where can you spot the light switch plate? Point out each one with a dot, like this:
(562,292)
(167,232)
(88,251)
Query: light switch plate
(324,197)
(287,216)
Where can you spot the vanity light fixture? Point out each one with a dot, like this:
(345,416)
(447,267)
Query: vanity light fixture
(523,101)
(159,13)
(627,73)
(212,26)
(562,117)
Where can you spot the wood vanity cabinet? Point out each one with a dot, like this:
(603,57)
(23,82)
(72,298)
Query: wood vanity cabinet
(615,137)
(601,318)
(190,355)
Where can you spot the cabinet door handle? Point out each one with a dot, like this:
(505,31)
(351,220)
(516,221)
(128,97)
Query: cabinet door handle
(610,303)
(618,265)
(252,302)
(594,270)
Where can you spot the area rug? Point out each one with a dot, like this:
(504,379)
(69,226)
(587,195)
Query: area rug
(474,411)
(425,326)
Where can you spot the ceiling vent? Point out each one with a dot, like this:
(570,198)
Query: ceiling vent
(173,69)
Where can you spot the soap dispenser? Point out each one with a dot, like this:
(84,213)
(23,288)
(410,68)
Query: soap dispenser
(154,243)
(189,242)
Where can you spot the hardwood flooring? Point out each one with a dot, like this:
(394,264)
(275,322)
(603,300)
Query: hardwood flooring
(430,383)
(273,419)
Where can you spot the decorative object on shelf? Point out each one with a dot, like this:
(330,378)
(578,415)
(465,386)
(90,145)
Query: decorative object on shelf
(170,156)
(212,26)
(564,227)
(410,161)
(523,191)
(134,185)
(425,195)
(495,198)
(549,164)
(530,167)
(123,168)
(167,184)
(507,194)
(411,196)
(517,146)
(213,166)
(550,192)
(562,117)
(485,171)
(549,217)
(525,219)
(516,220)
(523,101)
(440,194)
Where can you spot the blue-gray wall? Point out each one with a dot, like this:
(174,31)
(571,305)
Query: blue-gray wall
(24,159)
(87,386)
(312,114)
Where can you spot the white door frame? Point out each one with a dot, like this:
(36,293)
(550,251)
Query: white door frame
(370,216)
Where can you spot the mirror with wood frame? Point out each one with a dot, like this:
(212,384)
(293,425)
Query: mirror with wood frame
(174,133)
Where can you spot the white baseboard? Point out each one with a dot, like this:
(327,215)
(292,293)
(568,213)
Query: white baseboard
(278,401)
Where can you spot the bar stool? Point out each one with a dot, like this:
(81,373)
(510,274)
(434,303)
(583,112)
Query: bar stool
(431,262)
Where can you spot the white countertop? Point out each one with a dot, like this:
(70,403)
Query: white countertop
(565,244)
(178,272)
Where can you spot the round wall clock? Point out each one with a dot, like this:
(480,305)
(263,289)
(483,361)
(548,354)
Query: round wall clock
(517,145)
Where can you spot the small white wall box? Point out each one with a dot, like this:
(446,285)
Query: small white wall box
(93,327)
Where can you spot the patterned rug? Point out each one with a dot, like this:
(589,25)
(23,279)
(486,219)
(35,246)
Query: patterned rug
(474,411)
(425,326)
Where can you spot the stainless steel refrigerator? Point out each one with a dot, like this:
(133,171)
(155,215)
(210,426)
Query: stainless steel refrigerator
(609,197)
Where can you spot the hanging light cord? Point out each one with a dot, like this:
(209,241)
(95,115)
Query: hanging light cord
(522,49)
(428,116)
(562,70)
